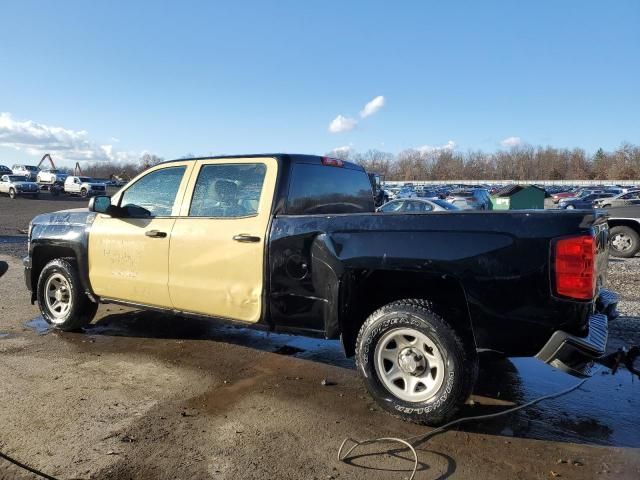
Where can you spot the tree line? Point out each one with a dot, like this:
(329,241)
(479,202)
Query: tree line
(523,162)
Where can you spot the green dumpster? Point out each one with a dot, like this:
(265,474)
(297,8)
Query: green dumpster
(518,197)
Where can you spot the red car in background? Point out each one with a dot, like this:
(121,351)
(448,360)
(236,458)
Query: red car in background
(556,197)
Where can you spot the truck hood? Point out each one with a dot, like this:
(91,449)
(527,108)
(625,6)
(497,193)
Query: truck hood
(74,216)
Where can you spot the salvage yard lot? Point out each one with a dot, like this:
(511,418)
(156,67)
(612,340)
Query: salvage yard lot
(145,395)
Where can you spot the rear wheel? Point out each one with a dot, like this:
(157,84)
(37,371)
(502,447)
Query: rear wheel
(414,364)
(624,241)
(61,298)
(570,207)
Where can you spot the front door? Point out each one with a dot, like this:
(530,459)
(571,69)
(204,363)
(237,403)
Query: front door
(216,260)
(129,256)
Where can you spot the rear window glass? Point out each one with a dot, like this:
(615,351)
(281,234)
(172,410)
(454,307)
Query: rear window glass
(320,189)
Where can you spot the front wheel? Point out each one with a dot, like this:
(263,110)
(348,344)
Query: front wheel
(414,364)
(624,241)
(570,207)
(83,193)
(12,194)
(61,298)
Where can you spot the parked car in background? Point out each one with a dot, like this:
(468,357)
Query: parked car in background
(4,170)
(417,205)
(556,197)
(51,175)
(28,171)
(630,198)
(18,185)
(406,192)
(584,201)
(474,199)
(83,186)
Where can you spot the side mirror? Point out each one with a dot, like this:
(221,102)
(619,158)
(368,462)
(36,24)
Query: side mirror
(100,204)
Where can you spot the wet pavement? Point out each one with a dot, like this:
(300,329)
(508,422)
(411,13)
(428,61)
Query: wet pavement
(601,412)
(13,239)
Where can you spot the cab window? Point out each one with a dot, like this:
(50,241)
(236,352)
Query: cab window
(319,189)
(228,191)
(154,194)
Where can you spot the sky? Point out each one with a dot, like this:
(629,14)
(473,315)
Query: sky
(110,80)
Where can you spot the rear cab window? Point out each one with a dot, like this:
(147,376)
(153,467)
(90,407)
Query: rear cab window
(322,189)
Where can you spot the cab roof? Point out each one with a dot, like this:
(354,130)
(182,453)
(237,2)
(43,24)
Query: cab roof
(290,158)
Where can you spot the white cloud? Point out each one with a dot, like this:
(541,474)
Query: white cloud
(343,149)
(511,142)
(372,107)
(449,146)
(63,144)
(342,124)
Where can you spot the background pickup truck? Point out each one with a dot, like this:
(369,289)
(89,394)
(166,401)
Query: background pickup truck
(83,186)
(292,243)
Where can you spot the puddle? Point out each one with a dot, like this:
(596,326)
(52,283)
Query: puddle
(38,324)
(3,335)
(288,350)
(603,411)
(156,325)
(12,239)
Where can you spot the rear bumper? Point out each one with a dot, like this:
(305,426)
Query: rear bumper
(575,355)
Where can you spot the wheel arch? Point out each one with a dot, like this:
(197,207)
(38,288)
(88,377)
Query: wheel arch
(42,254)
(363,292)
(625,222)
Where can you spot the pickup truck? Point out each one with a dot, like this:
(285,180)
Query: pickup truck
(293,243)
(83,186)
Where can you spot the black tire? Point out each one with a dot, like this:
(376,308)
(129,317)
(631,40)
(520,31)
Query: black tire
(83,193)
(460,362)
(12,194)
(626,248)
(81,310)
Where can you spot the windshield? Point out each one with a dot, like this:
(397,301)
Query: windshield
(445,205)
(84,179)
(31,168)
(392,207)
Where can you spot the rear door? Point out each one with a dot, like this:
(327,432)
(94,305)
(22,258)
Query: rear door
(216,259)
(129,257)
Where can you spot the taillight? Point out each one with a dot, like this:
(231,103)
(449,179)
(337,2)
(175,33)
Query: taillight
(332,162)
(575,275)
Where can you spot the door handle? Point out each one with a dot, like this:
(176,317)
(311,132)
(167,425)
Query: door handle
(244,238)
(155,234)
